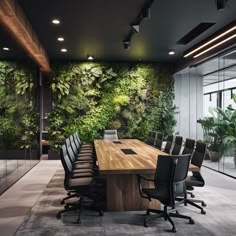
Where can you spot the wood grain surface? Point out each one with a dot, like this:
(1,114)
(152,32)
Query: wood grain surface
(121,169)
(111,159)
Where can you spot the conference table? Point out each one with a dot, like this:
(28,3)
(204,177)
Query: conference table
(120,161)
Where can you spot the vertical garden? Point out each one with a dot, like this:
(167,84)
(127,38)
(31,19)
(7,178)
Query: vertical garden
(91,97)
(19,120)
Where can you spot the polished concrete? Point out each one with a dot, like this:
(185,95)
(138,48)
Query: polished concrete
(17,201)
(32,204)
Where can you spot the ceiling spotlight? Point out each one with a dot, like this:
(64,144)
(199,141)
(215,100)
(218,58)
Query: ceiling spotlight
(6,49)
(90,58)
(60,39)
(221,4)
(56,21)
(146,13)
(171,52)
(135,27)
(126,44)
(63,50)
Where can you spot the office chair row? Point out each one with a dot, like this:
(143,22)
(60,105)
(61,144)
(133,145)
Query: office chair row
(171,184)
(80,169)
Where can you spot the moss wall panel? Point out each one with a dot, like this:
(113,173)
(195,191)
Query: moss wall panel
(91,97)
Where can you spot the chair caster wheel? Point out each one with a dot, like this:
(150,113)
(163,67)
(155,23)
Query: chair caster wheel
(147,213)
(185,204)
(145,224)
(204,204)
(192,195)
(101,213)
(174,230)
(59,216)
(203,212)
(191,221)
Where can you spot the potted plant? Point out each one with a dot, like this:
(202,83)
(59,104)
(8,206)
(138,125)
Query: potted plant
(229,124)
(220,131)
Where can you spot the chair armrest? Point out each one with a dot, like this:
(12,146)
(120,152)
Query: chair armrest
(140,187)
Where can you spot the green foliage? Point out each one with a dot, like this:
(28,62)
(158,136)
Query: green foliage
(104,96)
(220,128)
(19,122)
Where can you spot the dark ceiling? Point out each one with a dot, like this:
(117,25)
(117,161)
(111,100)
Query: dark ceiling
(98,27)
(15,51)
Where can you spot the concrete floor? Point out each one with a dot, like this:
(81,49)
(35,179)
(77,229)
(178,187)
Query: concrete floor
(17,201)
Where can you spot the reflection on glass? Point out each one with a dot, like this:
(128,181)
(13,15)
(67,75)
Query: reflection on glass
(19,122)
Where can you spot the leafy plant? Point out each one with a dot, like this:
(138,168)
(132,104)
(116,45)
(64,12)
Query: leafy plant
(105,96)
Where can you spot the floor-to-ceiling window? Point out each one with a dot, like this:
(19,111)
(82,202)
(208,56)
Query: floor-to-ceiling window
(205,97)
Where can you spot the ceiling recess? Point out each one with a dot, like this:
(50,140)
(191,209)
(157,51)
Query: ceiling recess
(15,22)
(194,33)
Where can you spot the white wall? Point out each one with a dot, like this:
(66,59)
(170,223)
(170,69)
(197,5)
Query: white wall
(189,101)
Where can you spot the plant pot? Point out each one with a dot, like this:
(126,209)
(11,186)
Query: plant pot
(53,155)
(214,156)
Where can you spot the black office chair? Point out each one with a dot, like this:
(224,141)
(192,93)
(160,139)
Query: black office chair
(169,182)
(196,180)
(177,146)
(168,144)
(151,139)
(77,185)
(188,146)
(159,140)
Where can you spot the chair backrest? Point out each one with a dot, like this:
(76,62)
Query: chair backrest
(73,146)
(66,163)
(76,141)
(197,159)
(110,134)
(159,140)
(168,143)
(71,154)
(177,146)
(188,146)
(171,172)
(151,139)
(76,135)
(199,154)
(67,142)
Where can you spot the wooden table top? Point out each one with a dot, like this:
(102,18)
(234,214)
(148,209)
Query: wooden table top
(112,160)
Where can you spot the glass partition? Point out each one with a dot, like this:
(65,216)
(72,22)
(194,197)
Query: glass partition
(19,122)
(206,101)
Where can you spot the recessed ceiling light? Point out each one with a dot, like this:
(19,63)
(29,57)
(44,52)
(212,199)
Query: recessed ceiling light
(171,52)
(90,58)
(64,50)
(6,49)
(61,39)
(56,21)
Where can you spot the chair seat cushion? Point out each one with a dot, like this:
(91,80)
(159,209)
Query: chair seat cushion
(81,175)
(84,158)
(82,166)
(193,181)
(80,182)
(75,171)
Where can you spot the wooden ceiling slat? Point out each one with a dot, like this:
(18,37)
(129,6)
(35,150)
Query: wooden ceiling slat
(13,19)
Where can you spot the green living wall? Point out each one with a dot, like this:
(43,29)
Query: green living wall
(91,97)
(19,121)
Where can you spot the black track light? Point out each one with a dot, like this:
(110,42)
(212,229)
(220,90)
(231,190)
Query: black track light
(135,28)
(126,44)
(221,4)
(146,13)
